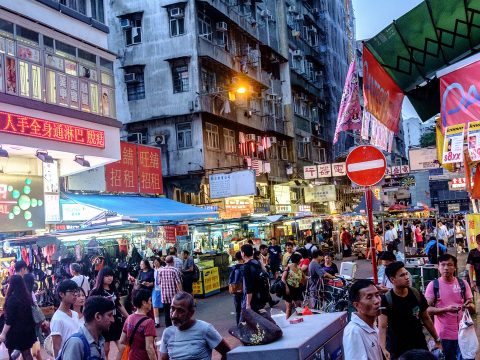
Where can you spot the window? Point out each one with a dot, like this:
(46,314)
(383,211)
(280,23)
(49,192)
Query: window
(132,28)
(204,26)
(284,153)
(134,79)
(24,79)
(208,81)
(229,138)
(213,139)
(273,152)
(321,155)
(176,16)
(6,27)
(98,12)
(180,76)
(65,49)
(85,56)
(77,5)
(27,35)
(184,135)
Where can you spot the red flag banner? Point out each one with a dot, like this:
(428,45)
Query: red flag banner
(459,96)
(382,96)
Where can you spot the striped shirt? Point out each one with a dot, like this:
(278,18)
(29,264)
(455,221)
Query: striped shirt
(168,278)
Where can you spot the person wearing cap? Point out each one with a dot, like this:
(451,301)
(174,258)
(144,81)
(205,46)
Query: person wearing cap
(64,321)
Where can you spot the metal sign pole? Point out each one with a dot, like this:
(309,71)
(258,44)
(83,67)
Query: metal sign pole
(371,230)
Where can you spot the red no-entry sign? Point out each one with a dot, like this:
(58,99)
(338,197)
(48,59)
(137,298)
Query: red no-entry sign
(366,165)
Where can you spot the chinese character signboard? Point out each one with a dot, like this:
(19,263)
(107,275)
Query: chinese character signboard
(138,171)
(339,169)
(324,170)
(238,183)
(322,193)
(150,170)
(50,130)
(236,207)
(310,172)
(21,203)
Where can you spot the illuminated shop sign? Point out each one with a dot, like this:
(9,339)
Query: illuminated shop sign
(50,130)
(21,203)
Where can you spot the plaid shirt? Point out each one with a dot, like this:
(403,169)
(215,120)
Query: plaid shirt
(168,278)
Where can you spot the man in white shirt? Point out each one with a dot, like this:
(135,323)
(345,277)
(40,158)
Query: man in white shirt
(389,238)
(360,337)
(65,321)
(81,280)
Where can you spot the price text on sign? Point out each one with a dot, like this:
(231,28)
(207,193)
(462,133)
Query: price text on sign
(50,130)
(453,145)
(366,165)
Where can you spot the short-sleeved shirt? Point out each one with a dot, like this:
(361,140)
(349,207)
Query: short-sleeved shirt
(418,235)
(360,341)
(168,278)
(286,259)
(147,276)
(474,260)
(195,343)
(178,263)
(448,294)
(146,328)
(316,272)
(274,252)
(332,269)
(405,328)
(64,325)
(187,264)
(83,282)
(73,349)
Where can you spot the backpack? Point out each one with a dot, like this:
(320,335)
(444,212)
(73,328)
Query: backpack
(263,284)
(389,298)
(309,250)
(436,290)
(196,273)
(87,355)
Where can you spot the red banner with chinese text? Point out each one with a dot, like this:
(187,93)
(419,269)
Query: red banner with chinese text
(382,96)
(459,99)
(138,171)
(150,170)
(122,176)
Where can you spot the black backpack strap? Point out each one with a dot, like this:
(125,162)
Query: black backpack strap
(130,340)
(436,291)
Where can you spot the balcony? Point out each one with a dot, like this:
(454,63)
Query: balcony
(272,123)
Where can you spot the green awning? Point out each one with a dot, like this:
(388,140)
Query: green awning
(431,36)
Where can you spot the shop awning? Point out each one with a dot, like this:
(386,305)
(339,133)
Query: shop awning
(144,209)
(431,36)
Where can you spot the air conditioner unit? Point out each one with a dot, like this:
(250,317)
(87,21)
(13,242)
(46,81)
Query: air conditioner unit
(292,9)
(125,23)
(273,139)
(265,13)
(284,143)
(306,140)
(297,53)
(130,77)
(160,139)
(298,17)
(251,137)
(176,12)
(222,26)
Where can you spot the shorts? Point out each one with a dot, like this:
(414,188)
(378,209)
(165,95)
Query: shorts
(157,299)
(296,294)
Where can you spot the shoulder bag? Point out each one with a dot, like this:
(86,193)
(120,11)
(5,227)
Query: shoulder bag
(127,349)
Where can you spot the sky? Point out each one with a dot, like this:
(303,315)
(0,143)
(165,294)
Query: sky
(372,16)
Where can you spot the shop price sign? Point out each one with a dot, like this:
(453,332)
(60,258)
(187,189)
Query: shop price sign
(474,140)
(170,234)
(150,170)
(50,130)
(453,145)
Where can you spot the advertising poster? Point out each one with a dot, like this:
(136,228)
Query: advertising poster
(423,159)
(453,144)
(473,140)
(238,183)
(473,228)
(11,70)
(21,203)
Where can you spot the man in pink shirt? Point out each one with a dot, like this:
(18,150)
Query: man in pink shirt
(448,298)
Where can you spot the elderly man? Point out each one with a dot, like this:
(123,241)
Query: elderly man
(190,338)
(170,281)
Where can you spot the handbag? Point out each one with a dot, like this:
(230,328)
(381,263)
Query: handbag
(235,288)
(38,315)
(128,347)
(467,337)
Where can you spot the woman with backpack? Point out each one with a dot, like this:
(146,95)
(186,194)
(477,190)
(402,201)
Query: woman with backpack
(138,336)
(294,278)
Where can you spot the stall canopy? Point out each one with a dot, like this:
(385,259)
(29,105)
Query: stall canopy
(145,209)
(431,36)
